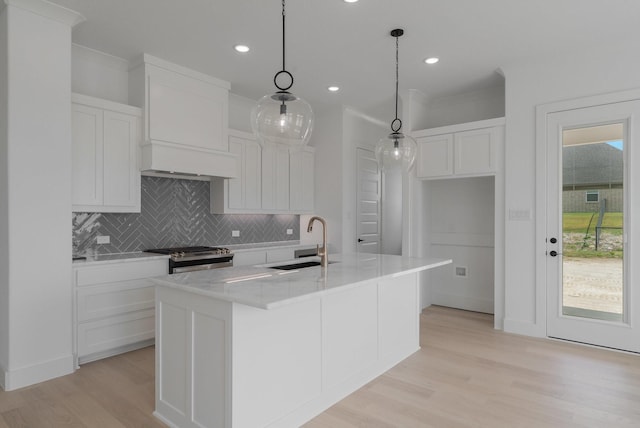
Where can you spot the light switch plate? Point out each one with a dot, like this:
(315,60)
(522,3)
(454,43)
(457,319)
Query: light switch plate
(235,233)
(289,231)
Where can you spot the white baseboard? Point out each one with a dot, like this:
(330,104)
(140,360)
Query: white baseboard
(37,373)
(462,302)
(523,327)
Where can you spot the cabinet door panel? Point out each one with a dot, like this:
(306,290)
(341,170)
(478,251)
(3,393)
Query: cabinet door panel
(475,151)
(302,170)
(113,299)
(235,184)
(350,342)
(435,156)
(275,178)
(252,174)
(121,173)
(87,155)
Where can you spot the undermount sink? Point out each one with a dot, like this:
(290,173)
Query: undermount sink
(297,265)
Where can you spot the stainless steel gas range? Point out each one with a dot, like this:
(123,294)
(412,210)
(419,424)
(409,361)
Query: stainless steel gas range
(186,259)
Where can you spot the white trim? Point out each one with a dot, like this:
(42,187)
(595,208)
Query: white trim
(49,10)
(539,325)
(166,65)
(38,373)
(489,123)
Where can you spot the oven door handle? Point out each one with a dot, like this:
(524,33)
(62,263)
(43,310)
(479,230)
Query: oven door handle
(207,266)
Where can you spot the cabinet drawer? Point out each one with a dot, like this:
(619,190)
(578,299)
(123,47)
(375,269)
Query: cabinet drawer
(249,258)
(279,255)
(115,299)
(107,334)
(93,275)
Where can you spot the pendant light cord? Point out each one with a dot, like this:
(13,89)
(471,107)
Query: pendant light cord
(396,124)
(396,78)
(283,38)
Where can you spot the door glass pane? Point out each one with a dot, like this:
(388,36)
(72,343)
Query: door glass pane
(592,222)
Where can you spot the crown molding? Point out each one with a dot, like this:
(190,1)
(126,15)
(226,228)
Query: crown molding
(48,10)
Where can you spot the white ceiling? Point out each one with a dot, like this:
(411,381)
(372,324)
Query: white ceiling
(332,42)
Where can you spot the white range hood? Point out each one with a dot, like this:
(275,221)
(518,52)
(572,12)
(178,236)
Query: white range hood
(185,119)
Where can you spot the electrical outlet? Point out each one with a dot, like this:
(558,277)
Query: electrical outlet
(461,271)
(103,239)
(235,233)
(289,231)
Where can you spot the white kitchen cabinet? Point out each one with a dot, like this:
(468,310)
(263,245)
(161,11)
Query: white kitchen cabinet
(272,180)
(302,180)
(466,150)
(250,258)
(262,256)
(244,193)
(114,307)
(275,178)
(105,156)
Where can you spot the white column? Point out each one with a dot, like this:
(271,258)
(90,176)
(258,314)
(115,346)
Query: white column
(35,192)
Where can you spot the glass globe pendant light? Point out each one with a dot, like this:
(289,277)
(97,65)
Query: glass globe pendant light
(282,117)
(396,151)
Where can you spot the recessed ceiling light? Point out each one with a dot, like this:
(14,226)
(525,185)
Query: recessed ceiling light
(350,1)
(333,88)
(432,60)
(242,48)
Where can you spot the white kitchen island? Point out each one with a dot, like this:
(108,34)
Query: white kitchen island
(260,347)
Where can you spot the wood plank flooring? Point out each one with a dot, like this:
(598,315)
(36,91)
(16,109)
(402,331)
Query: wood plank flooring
(465,375)
(469,375)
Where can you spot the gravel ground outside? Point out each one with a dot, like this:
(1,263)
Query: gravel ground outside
(593,283)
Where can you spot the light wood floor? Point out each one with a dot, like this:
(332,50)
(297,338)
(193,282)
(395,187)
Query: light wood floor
(465,375)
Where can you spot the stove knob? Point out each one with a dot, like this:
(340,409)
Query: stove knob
(182,254)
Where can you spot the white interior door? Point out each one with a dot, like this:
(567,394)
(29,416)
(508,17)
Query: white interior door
(592,198)
(368,202)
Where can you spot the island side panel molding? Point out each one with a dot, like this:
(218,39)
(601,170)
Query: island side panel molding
(276,361)
(398,317)
(350,344)
(193,357)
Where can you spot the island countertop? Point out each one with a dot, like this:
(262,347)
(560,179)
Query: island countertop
(264,287)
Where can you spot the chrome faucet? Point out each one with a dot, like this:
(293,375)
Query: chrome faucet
(322,252)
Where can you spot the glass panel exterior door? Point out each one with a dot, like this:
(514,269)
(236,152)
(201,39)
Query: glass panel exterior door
(590,202)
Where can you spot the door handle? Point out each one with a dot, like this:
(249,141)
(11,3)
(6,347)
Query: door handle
(360,240)
(553,253)
(553,240)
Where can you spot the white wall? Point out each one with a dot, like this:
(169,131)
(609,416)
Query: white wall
(569,76)
(392,213)
(4,196)
(39,339)
(240,112)
(425,112)
(99,74)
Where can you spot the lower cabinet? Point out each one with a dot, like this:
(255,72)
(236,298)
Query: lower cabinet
(115,307)
(260,257)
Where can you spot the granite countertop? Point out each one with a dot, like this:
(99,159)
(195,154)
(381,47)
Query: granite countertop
(263,287)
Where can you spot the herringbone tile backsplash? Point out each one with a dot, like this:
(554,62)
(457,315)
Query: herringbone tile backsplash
(174,213)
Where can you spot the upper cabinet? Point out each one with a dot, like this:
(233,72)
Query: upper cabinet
(271,180)
(302,180)
(465,150)
(105,151)
(185,120)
